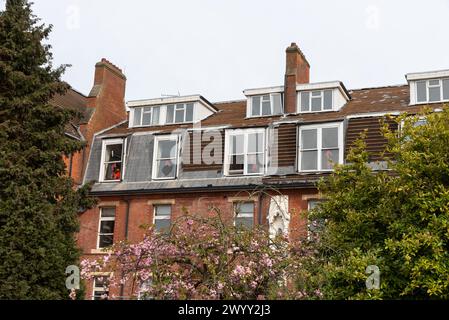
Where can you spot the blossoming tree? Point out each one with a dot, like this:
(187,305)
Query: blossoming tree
(201,258)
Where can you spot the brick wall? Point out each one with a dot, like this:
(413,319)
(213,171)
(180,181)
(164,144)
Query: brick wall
(142,207)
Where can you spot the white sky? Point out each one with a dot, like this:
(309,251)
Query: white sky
(218,48)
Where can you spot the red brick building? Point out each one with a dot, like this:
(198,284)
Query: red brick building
(263,154)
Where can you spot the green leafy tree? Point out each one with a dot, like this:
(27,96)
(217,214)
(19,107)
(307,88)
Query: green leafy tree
(396,219)
(38,204)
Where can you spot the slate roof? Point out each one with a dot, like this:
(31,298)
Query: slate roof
(232,114)
(366,100)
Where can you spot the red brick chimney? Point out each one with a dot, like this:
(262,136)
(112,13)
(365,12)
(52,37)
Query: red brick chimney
(296,71)
(107,98)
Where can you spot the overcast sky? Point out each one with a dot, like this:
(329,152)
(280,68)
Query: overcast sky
(218,48)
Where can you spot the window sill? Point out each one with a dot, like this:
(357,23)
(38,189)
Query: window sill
(100,251)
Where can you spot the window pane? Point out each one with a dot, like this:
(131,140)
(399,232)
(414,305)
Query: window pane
(244,207)
(146,118)
(255,104)
(329,158)
(434,94)
(421,91)
(163,210)
(305,101)
(255,142)
(156,115)
(167,149)
(312,204)
(446,89)
(113,171)
(316,103)
(170,113)
(236,164)
(113,152)
(244,222)
(434,82)
(316,93)
(179,113)
(309,160)
(162,225)
(107,212)
(189,112)
(330,137)
(101,282)
(309,139)
(255,163)
(166,169)
(237,144)
(266,105)
(327,100)
(137,115)
(98,295)
(277,103)
(107,226)
(105,241)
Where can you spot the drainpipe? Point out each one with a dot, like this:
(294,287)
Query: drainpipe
(259,214)
(70,165)
(122,287)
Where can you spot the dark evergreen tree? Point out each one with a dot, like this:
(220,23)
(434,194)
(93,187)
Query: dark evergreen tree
(38,203)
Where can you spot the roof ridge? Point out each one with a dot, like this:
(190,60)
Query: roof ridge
(380,87)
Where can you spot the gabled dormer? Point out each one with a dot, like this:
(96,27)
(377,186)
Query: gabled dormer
(428,87)
(170,110)
(321,97)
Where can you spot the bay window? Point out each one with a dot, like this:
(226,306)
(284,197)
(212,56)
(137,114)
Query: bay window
(165,157)
(320,146)
(245,152)
(112,160)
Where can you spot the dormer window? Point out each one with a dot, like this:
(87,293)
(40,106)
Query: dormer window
(316,101)
(112,160)
(432,90)
(165,157)
(146,116)
(179,113)
(169,110)
(245,152)
(266,105)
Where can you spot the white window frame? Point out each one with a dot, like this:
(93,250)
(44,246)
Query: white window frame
(319,148)
(105,143)
(309,233)
(244,215)
(157,139)
(100,219)
(249,112)
(245,133)
(161,217)
(102,289)
(428,86)
(184,108)
(299,98)
(141,116)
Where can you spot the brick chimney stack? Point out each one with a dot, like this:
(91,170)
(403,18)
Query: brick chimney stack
(296,71)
